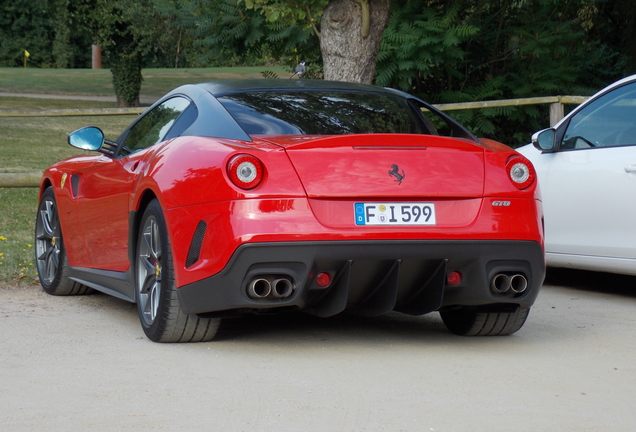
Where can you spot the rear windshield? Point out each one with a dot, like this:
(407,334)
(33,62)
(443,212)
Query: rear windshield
(321,113)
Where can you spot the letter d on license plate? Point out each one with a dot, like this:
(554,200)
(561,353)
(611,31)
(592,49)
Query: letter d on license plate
(394,213)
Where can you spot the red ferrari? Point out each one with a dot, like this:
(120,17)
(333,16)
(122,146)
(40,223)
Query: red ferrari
(267,196)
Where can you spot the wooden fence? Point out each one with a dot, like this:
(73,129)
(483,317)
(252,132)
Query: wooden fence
(32,179)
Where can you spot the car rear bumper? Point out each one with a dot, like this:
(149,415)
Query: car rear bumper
(370,277)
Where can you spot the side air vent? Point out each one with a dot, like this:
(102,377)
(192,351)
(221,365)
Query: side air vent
(75,181)
(195,245)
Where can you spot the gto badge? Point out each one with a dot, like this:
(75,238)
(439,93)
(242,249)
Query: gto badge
(501,203)
(395,172)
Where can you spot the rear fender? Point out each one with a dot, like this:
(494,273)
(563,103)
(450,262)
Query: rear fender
(497,182)
(192,170)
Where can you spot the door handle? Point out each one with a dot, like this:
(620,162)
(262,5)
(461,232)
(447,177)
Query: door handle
(630,168)
(131,167)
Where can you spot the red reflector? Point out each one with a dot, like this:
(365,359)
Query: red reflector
(323,280)
(454,278)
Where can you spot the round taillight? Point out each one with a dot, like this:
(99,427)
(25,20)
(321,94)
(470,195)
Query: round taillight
(520,171)
(245,171)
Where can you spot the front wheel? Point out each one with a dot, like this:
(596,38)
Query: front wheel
(158,304)
(50,255)
(471,322)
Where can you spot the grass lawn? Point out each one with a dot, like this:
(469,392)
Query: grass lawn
(157,82)
(17,263)
(31,144)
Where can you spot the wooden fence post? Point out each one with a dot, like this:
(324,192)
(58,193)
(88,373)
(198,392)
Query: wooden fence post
(556,112)
(19,180)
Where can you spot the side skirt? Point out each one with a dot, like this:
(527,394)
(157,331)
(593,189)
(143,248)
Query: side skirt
(116,284)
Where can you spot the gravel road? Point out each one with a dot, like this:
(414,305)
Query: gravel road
(83,363)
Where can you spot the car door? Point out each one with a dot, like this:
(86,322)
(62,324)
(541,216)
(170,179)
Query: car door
(589,184)
(106,187)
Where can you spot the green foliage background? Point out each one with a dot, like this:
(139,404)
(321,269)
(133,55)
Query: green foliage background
(441,50)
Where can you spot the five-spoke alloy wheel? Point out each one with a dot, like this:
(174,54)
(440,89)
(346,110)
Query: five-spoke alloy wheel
(149,270)
(157,300)
(50,255)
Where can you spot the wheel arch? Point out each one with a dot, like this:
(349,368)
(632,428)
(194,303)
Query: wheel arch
(134,220)
(44,185)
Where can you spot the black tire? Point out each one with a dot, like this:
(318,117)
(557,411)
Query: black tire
(157,301)
(470,322)
(50,255)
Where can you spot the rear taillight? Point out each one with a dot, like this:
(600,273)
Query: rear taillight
(245,171)
(520,171)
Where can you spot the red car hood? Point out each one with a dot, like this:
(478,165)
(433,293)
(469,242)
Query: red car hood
(385,165)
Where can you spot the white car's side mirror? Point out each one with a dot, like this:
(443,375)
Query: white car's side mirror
(545,140)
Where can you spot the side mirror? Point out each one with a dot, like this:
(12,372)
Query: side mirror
(545,140)
(87,138)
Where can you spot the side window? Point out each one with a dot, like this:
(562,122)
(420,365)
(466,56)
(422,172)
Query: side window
(609,121)
(435,123)
(442,126)
(155,125)
(185,120)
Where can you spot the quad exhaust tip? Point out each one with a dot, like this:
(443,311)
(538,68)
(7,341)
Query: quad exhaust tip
(282,288)
(259,288)
(270,287)
(501,283)
(518,283)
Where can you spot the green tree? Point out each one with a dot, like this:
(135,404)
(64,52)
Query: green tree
(48,29)
(609,48)
(26,26)
(128,31)
(225,33)
(470,50)
(349,31)
(71,45)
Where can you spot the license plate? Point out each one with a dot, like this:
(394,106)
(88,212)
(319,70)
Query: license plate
(394,213)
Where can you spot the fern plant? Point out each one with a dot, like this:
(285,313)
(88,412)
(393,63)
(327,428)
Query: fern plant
(472,50)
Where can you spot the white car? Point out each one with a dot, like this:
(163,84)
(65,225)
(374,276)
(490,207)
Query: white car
(586,165)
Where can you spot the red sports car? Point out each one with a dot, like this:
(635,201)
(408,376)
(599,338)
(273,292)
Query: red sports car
(264,196)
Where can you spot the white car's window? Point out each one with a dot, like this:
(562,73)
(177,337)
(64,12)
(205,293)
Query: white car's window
(607,122)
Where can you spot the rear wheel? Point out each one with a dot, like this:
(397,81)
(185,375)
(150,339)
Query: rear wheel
(471,322)
(158,304)
(50,255)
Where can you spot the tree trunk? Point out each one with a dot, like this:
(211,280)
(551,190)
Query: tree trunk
(351,31)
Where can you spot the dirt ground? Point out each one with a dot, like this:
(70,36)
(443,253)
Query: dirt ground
(83,363)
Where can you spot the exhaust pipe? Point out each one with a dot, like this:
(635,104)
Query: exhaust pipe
(518,283)
(500,283)
(259,288)
(282,288)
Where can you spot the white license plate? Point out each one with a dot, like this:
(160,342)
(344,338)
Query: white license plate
(394,213)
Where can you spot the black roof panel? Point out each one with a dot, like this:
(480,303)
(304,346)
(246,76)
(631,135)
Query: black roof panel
(223,87)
